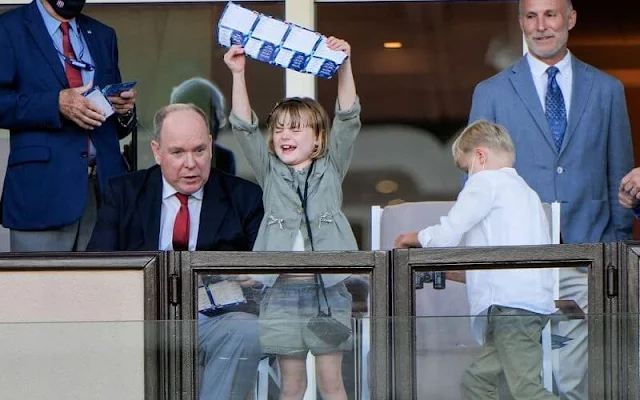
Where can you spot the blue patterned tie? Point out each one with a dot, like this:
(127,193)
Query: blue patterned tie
(555,110)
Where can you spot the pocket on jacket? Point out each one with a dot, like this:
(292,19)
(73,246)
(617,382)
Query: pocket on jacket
(29,154)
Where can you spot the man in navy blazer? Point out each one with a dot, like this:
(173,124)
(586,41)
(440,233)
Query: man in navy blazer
(51,55)
(572,136)
(146,210)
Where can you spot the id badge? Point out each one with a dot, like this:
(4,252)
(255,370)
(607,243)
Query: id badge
(225,294)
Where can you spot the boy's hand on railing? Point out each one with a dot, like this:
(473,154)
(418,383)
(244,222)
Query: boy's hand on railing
(457,276)
(407,240)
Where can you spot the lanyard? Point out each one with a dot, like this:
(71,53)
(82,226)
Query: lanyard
(76,63)
(318,278)
(303,200)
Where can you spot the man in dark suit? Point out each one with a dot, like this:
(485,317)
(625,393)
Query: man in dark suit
(51,56)
(570,127)
(184,204)
(208,97)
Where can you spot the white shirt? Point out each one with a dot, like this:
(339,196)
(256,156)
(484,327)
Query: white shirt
(498,208)
(564,79)
(168,212)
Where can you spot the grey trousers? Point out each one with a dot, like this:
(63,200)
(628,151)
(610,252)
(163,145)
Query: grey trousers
(229,353)
(74,237)
(512,345)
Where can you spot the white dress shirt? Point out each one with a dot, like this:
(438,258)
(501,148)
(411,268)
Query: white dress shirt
(169,210)
(564,79)
(498,208)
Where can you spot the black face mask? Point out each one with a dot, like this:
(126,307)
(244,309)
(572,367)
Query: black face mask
(67,9)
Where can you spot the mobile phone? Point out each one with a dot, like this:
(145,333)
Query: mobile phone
(117,88)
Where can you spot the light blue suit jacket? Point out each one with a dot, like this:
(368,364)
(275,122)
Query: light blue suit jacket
(596,152)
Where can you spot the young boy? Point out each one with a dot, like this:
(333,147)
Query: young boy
(496,207)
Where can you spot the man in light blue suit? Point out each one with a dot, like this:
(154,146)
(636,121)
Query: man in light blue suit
(570,127)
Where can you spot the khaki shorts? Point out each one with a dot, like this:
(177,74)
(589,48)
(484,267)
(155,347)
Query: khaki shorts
(285,311)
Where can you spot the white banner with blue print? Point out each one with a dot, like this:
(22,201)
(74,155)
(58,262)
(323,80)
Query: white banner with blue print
(277,42)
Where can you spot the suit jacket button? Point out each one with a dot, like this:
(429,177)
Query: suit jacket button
(559,170)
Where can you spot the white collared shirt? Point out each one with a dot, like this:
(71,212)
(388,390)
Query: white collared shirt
(169,210)
(564,78)
(498,208)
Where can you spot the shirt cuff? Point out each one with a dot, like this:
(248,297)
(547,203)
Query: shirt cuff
(126,119)
(424,237)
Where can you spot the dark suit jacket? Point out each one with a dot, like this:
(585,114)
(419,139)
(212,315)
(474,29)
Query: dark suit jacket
(46,182)
(129,218)
(224,159)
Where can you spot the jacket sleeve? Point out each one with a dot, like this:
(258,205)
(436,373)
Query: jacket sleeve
(619,161)
(254,218)
(253,145)
(105,232)
(23,110)
(345,129)
(124,125)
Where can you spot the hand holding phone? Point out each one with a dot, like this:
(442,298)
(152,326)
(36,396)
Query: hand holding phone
(122,96)
(117,88)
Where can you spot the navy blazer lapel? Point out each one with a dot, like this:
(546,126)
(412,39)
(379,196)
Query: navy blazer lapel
(522,82)
(149,206)
(93,43)
(213,211)
(44,41)
(580,93)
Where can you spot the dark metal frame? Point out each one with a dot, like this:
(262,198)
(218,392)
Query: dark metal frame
(155,291)
(376,264)
(628,320)
(406,262)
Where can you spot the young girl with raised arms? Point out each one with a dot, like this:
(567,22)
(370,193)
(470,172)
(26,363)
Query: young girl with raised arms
(300,167)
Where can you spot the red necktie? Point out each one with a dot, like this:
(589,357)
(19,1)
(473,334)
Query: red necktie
(181,226)
(73,74)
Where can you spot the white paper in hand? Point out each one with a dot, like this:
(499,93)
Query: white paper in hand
(226,293)
(98,99)
(277,42)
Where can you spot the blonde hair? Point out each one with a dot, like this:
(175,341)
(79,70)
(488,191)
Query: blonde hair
(301,112)
(483,133)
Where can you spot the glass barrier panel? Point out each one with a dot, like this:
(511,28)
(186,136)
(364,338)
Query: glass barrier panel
(513,321)
(512,357)
(79,360)
(295,327)
(106,360)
